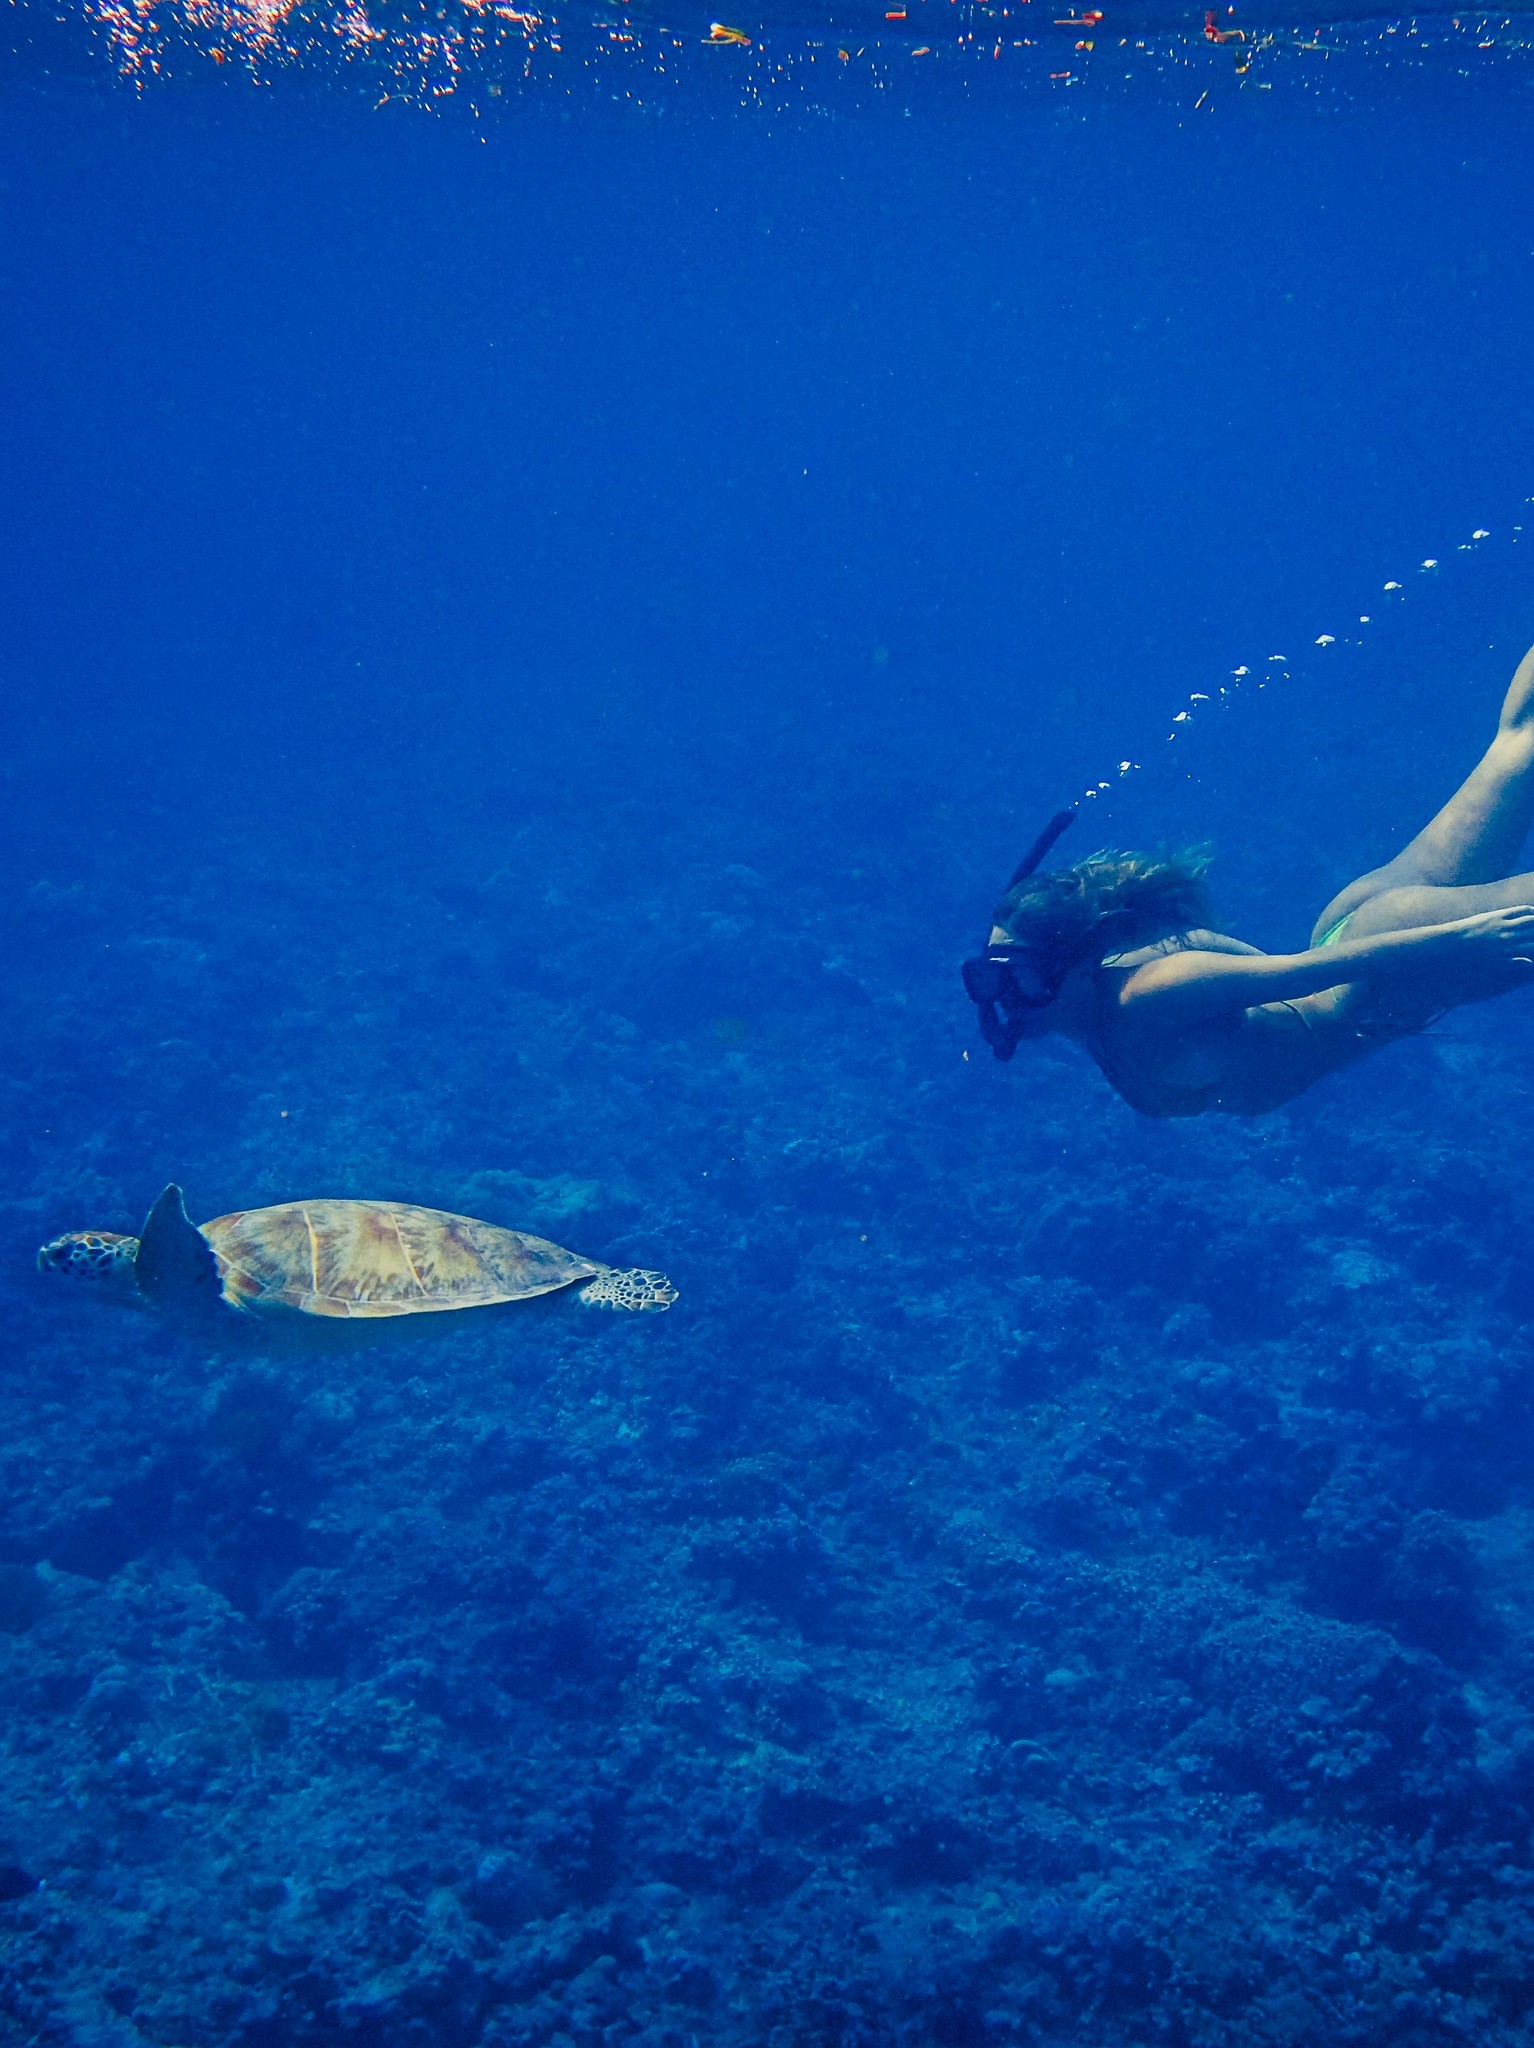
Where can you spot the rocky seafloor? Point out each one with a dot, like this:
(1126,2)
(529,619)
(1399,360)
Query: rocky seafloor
(1051,1579)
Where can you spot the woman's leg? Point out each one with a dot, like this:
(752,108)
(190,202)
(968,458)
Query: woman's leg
(1419,904)
(1472,842)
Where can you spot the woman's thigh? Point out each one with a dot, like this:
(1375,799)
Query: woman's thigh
(1409,908)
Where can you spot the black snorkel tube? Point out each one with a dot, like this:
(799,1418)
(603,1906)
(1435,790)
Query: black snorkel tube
(1005,981)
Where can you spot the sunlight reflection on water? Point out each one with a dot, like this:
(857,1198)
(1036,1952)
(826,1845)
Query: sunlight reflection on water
(813,59)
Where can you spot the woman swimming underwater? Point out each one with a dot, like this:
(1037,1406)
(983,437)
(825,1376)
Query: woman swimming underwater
(1115,954)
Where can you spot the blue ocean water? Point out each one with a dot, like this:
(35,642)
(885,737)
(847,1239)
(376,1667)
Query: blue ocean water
(543,594)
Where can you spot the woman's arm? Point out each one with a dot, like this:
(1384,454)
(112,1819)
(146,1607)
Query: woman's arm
(1494,948)
(1197,941)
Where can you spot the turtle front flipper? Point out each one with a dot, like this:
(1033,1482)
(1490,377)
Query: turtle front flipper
(634,1289)
(177,1272)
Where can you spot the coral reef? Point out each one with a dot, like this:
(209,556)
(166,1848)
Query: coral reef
(1050,1578)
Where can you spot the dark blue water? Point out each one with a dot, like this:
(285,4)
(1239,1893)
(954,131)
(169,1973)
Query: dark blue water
(532,639)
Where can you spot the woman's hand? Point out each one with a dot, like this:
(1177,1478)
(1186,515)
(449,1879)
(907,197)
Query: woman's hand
(1489,954)
(1500,942)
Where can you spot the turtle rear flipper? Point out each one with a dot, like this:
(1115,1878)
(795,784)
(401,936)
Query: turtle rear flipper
(176,1269)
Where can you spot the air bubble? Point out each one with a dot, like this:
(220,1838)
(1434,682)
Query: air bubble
(1277,666)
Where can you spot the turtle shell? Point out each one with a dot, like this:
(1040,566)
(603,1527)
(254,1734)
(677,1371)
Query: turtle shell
(345,1258)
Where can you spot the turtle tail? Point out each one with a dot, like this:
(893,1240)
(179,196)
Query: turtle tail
(633,1289)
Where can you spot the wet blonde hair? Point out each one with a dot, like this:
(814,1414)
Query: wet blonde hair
(1107,903)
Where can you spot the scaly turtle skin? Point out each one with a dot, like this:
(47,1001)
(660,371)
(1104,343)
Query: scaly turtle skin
(337,1258)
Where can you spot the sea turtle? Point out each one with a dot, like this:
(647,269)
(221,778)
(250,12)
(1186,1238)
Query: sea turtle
(335,1258)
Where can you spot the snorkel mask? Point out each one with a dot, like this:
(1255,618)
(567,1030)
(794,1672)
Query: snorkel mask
(1006,982)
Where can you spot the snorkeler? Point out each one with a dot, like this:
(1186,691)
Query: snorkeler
(1115,953)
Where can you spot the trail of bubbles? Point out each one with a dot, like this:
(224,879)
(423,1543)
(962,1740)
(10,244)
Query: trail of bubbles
(1278,668)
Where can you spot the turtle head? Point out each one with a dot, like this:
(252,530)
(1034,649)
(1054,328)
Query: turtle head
(634,1289)
(104,1260)
(169,1266)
